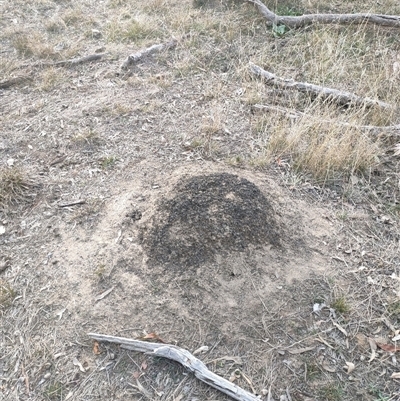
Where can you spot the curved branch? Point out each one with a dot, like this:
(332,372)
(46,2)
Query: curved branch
(186,359)
(340,97)
(308,19)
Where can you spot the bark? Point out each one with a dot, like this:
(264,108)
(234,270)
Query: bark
(335,95)
(309,19)
(186,359)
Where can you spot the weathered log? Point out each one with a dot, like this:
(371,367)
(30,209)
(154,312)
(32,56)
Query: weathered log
(308,19)
(186,359)
(77,61)
(134,58)
(339,97)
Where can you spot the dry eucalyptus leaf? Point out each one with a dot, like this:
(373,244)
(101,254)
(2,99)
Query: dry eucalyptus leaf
(339,327)
(372,345)
(77,363)
(300,350)
(388,347)
(328,368)
(349,367)
(201,349)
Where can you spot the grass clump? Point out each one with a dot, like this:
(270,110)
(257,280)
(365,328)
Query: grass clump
(15,187)
(55,25)
(107,162)
(50,78)
(32,45)
(331,392)
(341,305)
(312,370)
(130,29)
(318,143)
(87,139)
(54,391)
(7,294)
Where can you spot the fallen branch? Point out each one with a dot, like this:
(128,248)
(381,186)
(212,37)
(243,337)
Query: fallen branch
(72,203)
(67,63)
(14,81)
(340,97)
(308,19)
(134,58)
(295,114)
(79,60)
(186,359)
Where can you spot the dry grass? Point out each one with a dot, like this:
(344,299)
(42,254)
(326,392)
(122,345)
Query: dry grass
(319,143)
(15,187)
(117,135)
(7,294)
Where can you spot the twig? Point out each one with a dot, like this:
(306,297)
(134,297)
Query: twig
(26,377)
(134,58)
(72,203)
(340,97)
(295,114)
(308,19)
(14,81)
(67,63)
(79,60)
(186,359)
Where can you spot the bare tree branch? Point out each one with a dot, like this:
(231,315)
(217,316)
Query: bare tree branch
(340,97)
(186,359)
(134,58)
(308,19)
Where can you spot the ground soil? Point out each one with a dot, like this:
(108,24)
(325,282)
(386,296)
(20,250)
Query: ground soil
(129,226)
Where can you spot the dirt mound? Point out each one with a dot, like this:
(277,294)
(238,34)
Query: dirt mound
(209,215)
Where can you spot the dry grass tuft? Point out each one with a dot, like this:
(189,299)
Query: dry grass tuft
(127,27)
(56,25)
(87,139)
(32,45)
(319,143)
(15,187)
(7,294)
(51,77)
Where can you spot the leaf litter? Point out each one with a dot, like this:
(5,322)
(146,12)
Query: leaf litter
(205,303)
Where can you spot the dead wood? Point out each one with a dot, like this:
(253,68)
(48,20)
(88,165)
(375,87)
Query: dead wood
(14,81)
(339,97)
(72,203)
(134,58)
(295,114)
(79,60)
(308,19)
(67,63)
(186,359)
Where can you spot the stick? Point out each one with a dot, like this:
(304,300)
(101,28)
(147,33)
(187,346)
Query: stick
(134,58)
(67,63)
(186,359)
(340,97)
(14,81)
(294,114)
(308,19)
(72,203)
(79,60)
